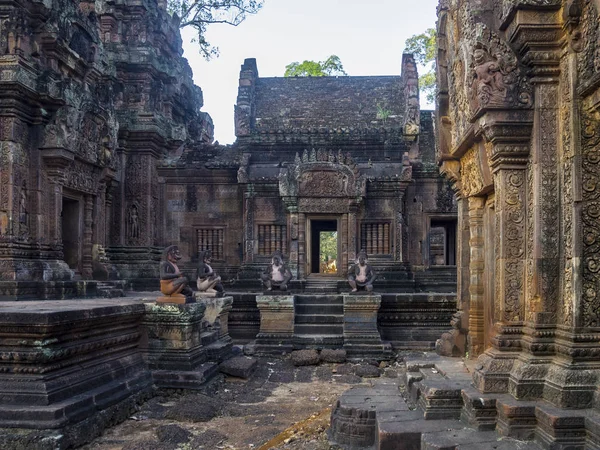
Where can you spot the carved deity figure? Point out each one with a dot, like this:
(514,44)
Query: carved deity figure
(488,83)
(361,276)
(133,220)
(277,274)
(207,281)
(172,281)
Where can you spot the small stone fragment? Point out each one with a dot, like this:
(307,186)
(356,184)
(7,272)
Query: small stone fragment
(305,357)
(367,371)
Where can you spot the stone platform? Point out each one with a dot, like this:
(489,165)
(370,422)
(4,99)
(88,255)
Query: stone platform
(71,368)
(436,407)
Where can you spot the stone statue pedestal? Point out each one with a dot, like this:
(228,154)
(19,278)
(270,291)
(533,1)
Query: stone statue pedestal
(276,324)
(216,318)
(361,336)
(176,299)
(181,348)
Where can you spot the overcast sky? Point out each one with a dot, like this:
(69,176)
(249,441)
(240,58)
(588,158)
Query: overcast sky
(368,36)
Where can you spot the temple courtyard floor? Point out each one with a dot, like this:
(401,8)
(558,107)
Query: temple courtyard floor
(278,406)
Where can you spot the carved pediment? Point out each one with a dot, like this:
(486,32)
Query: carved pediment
(322,175)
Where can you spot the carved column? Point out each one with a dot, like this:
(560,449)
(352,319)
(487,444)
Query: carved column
(352,237)
(249,225)
(301,246)
(86,266)
(463,257)
(343,267)
(476,282)
(508,159)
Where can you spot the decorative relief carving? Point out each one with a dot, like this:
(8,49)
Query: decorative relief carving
(81,177)
(589,60)
(549,198)
(497,81)
(511,193)
(323,205)
(471,177)
(591,219)
(567,189)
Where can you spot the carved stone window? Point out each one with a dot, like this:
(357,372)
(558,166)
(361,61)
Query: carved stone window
(375,238)
(211,239)
(271,238)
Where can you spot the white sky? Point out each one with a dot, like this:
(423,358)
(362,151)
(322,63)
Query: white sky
(367,35)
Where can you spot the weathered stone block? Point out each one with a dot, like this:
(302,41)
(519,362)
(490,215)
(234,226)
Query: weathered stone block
(333,355)
(239,366)
(307,357)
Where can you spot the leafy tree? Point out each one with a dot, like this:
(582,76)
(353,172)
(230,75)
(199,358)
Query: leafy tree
(423,47)
(328,244)
(201,13)
(331,66)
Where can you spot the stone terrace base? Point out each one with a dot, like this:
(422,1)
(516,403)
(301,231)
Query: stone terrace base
(276,324)
(451,414)
(68,369)
(182,343)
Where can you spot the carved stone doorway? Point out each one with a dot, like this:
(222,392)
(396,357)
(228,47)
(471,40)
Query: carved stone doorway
(318,227)
(71,221)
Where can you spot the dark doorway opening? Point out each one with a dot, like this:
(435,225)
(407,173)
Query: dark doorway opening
(442,243)
(71,232)
(323,247)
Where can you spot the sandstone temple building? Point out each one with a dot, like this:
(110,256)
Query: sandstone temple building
(107,159)
(518,131)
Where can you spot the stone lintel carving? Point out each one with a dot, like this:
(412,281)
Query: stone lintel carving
(510,8)
(322,174)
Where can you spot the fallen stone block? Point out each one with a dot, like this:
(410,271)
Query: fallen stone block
(305,357)
(333,356)
(239,366)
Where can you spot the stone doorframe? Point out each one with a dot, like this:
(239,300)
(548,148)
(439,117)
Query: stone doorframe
(322,185)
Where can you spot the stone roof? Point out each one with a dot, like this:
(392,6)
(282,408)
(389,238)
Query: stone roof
(328,102)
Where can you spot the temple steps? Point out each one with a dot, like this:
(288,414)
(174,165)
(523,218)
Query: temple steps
(322,285)
(318,321)
(440,409)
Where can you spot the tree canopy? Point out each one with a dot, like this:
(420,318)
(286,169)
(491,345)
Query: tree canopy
(330,67)
(201,13)
(423,47)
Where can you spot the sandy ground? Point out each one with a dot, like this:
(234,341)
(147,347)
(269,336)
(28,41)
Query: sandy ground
(279,407)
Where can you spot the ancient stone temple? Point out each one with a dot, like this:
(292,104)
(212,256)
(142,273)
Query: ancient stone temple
(519,133)
(352,156)
(94,94)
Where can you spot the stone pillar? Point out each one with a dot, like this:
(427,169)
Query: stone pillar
(301,246)
(361,335)
(277,315)
(345,262)
(249,224)
(86,265)
(476,336)
(352,237)
(508,155)
(463,257)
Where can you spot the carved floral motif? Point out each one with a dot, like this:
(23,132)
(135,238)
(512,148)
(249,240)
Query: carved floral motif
(590,217)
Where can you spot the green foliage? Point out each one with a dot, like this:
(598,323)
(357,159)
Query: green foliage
(383,113)
(423,48)
(330,67)
(201,13)
(328,244)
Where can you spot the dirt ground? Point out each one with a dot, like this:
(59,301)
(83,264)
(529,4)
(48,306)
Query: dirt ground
(279,407)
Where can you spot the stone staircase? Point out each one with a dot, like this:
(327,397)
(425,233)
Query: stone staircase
(441,410)
(319,321)
(111,289)
(322,285)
